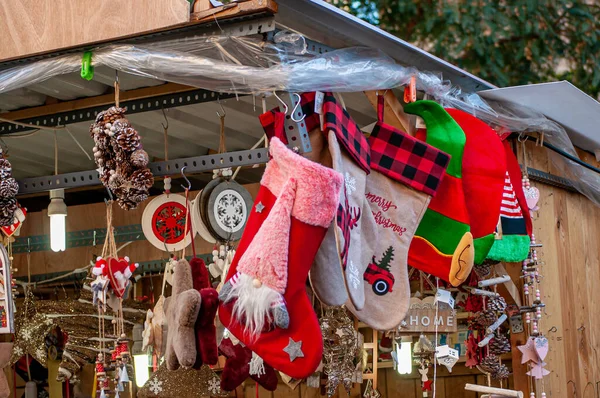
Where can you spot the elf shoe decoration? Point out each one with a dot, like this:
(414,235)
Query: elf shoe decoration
(443,243)
(483,172)
(515,218)
(266,281)
(241,364)
(405,173)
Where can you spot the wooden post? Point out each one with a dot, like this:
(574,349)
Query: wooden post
(373,345)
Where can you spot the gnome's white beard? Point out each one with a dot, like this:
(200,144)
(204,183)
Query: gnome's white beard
(253,305)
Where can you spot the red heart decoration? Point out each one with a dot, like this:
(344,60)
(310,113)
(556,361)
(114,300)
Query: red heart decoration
(116,269)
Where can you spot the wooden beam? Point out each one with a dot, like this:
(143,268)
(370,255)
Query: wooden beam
(106,99)
(203,13)
(393,112)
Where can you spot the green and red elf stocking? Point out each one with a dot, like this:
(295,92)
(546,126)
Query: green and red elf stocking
(443,243)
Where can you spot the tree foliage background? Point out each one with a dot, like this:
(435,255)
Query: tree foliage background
(506,42)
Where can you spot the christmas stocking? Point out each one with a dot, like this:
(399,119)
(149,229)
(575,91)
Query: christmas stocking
(443,244)
(483,171)
(515,219)
(265,304)
(340,257)
(405,173)
(206,333)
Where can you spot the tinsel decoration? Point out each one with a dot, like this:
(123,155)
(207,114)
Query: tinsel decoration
(189,383)
(497,304)
(492,365)
(500,344)
(339,349)
(122,163)
(8,191)
(31,328)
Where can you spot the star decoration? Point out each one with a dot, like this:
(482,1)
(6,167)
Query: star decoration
(294,349)
(31,330)
(472,349)
(528,351)
(237,367)
(427,385)
(259,207)
(340,332)
(538,371)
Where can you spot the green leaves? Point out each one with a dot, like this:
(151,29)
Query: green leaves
(504,42)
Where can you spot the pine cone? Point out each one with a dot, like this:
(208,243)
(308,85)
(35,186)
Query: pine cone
(116,181)
(126,204)
(489,364)
(136,195)
(8,206)
(499,345)
(139,158)
(497,304)
(8,187)
(486,318)
(142,179)
(128,139)
(501,373)
(111,114)
(482,270)
(5,168)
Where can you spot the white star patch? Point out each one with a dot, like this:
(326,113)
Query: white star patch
(259,207)
(294,349)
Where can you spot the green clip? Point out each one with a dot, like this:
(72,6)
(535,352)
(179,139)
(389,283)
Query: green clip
(87,70)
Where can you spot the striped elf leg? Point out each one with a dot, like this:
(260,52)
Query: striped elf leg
(443,244)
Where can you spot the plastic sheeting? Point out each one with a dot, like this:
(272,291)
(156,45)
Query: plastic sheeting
(246,65)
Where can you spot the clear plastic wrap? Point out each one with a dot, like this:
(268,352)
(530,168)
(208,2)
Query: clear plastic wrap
(247,65)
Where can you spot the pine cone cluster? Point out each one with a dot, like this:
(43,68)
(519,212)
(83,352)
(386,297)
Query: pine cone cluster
(122,163)
(500,344)
(497,304)
(492,365)
(8,191)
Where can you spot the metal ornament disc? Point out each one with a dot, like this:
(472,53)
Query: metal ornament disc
(205,195)
(197,221)
(228,210)
(163,222)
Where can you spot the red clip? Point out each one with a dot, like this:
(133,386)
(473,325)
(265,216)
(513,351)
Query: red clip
(410,91)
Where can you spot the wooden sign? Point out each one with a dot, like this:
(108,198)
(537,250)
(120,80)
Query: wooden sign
(421,317)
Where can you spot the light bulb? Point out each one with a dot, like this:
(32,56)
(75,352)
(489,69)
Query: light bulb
(404,354)
(142,374)
(57,211)
(58,238)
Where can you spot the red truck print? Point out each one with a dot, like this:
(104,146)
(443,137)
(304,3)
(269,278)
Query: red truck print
(378,274)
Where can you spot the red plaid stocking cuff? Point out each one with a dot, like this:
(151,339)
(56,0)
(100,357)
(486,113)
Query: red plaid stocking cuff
(406,159)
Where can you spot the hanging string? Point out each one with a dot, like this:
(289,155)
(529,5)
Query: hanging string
(166,134)
(185,229)
(117,102)
(55,153)
(222,148)
(437,306)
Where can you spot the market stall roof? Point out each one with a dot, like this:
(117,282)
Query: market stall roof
(562,102)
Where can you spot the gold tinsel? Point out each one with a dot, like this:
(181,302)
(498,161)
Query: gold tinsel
(339,349)
(189,383)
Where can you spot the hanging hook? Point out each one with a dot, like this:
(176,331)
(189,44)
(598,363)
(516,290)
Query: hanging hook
(221,115)
(165,126)
(283,102)
(189,184)
(299,99)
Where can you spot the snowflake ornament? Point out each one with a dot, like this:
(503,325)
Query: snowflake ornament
(214,385)
(156,386)
(350,183)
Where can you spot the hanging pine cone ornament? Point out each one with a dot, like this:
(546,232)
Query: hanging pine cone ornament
(485,318)
(500,344)
(8,187)
(497,304)
(5,168)
(8,206)
(483,270)
(122,163)
(501,373)
(489,364)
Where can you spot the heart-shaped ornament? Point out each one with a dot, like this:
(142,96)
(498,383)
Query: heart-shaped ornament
(532,196)
(116,268)
(541,347)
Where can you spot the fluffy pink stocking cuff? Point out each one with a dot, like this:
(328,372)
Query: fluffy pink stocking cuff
(318,187)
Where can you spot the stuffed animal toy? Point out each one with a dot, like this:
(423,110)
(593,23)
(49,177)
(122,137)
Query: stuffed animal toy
(265,304)
(241,364)
(206,333)
(182,312)
(443,243)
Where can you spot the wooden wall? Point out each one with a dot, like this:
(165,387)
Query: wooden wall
(568,225)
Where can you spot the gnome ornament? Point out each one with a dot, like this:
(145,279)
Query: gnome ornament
(264,301)
(405,173)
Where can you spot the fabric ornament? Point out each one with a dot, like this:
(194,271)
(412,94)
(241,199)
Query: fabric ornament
(335,275)
(148,333)
(182,311)
(159,326)
(405,173)
(117,271)
(443,243)
(206,333)
(188,383)
(31,328)
(265,304)
(515,218)
(483,171)
(241,364)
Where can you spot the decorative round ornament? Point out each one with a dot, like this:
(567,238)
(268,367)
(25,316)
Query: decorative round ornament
(197,222)
(228,210)
(164,221)
(205,195)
